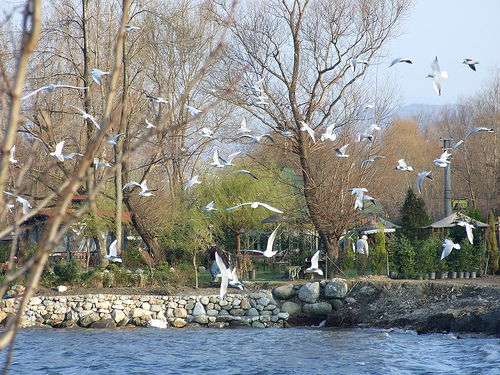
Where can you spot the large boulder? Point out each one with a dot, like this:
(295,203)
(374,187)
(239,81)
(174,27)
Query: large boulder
(104,323)
(291,308)
(89,318)
(198,309)
(284,292)
(156,323)
(336,288)
(319,308)
(309,292)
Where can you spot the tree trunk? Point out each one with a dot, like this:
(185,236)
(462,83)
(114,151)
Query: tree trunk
(195,271)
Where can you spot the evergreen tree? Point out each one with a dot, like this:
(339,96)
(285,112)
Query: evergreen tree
(492,245)
(413,215)
(379,252)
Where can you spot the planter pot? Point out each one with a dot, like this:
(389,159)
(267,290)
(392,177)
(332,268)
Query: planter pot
(466,275)
(453,275)
(460,275)
(252,274)
(473,275)
(443,275)
(432,275)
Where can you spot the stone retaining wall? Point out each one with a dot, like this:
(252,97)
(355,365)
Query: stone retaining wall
(262,309)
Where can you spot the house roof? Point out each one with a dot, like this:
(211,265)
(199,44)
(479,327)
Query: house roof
(372,225)
(448,221)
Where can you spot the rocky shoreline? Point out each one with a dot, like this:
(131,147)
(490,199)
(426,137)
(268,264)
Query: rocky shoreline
(424,306)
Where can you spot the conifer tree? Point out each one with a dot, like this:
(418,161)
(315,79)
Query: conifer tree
(492,245)
(413,215)
(379,252)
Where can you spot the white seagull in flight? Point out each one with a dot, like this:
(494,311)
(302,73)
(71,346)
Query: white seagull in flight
(268,253)
(97,74)
(444,160)
(306,128)
(355,62)
(471,63)
(371,160)
(58,151)
(192,110)
(113,140)
(223,274)
(257,138)
(400,60)
(402,166)
(228,162)
(480,129)
(209,207)
(12,158)
(421,177)
(113,255)
(86,116)
(52,88)
(206,133)
(448,246)
(314,264)
(340,152)
(243,127)
(145,192)
(359,202)
(255,205)
(246,172)
(192,181)
(468,229)
(329,134)
(436,76)
(24,202)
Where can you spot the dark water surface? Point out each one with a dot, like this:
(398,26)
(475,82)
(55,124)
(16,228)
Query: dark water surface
(249,351)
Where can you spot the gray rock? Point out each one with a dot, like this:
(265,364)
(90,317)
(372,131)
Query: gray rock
(336,303)
(104,323)
(284,292)
(291,308)
(283,315)
(252,312)
(198,309)
(350,300)
(72,317)
(87,319)
(309,292)
(319,308)
(201,319)
(336,288)
(257,324)
(156,323)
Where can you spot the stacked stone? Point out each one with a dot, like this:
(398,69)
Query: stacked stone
(106,311)
(262,309)
(312,299)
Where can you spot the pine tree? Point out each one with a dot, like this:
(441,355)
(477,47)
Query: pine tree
(492,245)
(379,252)
(413,215)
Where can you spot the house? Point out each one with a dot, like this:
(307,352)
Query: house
(439,227)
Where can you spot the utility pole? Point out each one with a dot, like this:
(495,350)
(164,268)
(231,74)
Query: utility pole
(447,181)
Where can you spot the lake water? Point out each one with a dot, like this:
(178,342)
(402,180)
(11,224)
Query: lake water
(301,350)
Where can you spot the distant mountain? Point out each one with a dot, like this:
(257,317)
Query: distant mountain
(412,110)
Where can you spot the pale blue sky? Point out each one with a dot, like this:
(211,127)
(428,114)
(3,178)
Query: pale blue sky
(451,30)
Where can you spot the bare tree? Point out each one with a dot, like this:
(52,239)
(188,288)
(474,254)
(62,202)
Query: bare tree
(303,50)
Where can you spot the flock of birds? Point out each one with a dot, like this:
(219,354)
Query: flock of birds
(228,275)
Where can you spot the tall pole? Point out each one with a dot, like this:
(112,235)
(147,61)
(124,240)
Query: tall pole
(447,182)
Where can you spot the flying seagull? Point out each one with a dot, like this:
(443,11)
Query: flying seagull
(329,134)
(233,280)
(480,129)
(24,202)
(444,160)
(131,28)
(468,229)
(216,161)
(86,116)
(448,246)
(192,110)
(98,164)
(471,63)
(209,207)
(363,107)
(257,138)
(402,166)
(246,172)
(436,76)
(340,152)
(192,181)
(97,74)
(268,253)
(261,100)
(206,133)
(157,99)
(113,140)
(255,205)
(306,128)
(355,62)
(52,88)
(149,125)
(365,135)
(145,192)
(255,88)
(243,127)
(421,177)
(228,162)
(224,276)
(72,155)
(314,264)
(58,151)
(359,202)
(371,160)
(113,255)
(400,60)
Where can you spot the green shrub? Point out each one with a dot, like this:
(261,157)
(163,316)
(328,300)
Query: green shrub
(379,254)
(402,256)
(67,272)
